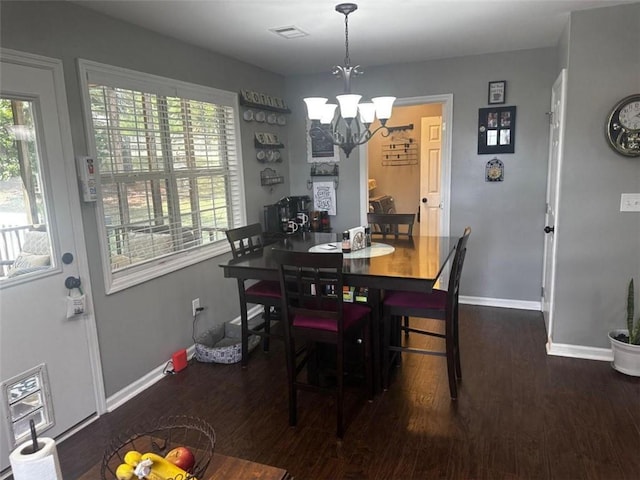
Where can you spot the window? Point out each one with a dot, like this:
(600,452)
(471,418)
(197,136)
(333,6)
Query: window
(25,247)
(26,397)
(168,169)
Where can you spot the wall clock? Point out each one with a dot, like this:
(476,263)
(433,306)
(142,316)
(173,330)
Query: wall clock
(623,126)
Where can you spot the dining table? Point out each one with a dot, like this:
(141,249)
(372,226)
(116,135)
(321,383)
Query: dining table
(414,263)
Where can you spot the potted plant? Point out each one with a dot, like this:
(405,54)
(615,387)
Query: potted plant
(625,343)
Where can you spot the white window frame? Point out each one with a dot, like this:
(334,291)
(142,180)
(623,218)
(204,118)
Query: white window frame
(90,71)
(46,405)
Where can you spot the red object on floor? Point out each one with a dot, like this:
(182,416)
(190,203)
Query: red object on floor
(179,360)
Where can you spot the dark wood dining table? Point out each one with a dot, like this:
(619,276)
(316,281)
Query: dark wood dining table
(414,264)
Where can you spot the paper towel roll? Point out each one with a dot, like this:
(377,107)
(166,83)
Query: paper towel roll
(43,464)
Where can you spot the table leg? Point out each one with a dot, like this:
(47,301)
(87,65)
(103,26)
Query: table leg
(375,303)
(244,324)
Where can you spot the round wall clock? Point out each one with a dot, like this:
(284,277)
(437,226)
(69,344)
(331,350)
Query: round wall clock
(623,126)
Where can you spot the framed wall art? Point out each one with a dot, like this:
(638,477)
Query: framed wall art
(496,130)
(497,92)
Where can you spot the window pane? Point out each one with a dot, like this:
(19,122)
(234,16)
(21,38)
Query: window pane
(25,247)
(167,167)
(26,405)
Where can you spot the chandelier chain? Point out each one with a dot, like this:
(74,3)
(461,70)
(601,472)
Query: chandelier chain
(347,59)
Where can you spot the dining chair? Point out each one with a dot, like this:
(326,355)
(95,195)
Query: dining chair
(439,305)
(314,313)
(246,241)
(389,223)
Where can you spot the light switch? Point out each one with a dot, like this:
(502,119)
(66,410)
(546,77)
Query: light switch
(630,202)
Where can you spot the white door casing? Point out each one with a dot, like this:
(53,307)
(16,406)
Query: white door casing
(430,175)
(556,137)
(445,158)
(35,328)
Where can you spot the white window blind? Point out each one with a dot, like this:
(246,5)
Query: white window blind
(168,167)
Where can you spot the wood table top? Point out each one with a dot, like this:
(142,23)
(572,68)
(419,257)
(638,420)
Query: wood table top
(414,264)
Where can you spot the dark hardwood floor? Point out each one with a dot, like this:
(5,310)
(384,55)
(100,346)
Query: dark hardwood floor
(520,414)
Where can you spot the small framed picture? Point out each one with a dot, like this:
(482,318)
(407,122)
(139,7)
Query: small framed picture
(496,130)
(497,92)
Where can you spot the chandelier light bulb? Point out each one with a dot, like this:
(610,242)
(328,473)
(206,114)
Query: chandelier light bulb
(315,107)
(367,112)
(348,104)
(384,106)
(328,112)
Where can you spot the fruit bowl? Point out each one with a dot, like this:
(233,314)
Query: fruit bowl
(160,437)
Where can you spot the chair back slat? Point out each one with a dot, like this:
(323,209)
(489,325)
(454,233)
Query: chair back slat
(246,240)
(389,223)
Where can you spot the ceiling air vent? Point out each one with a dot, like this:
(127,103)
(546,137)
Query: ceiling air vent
(289,32)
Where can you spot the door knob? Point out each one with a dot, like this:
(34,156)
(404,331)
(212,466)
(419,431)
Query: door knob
(424,200)
(549,229)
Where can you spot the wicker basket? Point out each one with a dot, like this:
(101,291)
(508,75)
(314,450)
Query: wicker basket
(159,437)
(213,347)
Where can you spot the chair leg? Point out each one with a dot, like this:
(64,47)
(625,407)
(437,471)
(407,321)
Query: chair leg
(456,342)
(244,326)
(340,389)
(406,326)
(386,342)
(290,353)
(368,360)
(451,358)
(267,328)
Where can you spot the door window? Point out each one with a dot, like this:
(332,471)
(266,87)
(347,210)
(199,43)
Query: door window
(25,245)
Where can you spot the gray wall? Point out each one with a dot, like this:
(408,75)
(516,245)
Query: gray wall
(156,315)
(506,245)
(598,246)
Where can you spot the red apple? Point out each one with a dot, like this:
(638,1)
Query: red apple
(182,457)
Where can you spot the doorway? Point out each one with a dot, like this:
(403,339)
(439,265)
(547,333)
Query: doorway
(49,359)
(409,171)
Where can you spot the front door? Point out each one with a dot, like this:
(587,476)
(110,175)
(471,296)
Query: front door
(553,181)
(430,176)
(49,361)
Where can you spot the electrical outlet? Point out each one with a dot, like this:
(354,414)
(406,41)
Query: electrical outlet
(195,305)
(630,202)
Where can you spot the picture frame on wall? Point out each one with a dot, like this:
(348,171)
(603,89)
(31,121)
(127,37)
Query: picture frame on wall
(321,149)
(497,92)
(496,130)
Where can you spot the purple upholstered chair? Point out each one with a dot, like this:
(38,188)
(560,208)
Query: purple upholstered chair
(439,305)
(246,241)
(313,313)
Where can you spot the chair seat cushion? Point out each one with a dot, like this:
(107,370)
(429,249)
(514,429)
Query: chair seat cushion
(265,288)
(352,313)
(436,300)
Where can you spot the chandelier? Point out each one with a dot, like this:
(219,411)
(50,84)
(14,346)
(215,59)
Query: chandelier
(352,126)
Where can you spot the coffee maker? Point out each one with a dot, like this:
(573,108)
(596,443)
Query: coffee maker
(289,215)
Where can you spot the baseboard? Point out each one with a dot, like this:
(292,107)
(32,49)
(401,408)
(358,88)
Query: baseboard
(501,303)
(154,376)
(133,389)
(579,351)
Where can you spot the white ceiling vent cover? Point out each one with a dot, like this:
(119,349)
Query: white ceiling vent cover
(289,32)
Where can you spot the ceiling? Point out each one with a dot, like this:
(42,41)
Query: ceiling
(380,32)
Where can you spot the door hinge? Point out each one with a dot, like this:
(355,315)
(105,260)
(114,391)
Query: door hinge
(550,115)
(542,292)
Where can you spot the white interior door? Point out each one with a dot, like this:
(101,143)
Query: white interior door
(33,311)
(430,176)
(556,135)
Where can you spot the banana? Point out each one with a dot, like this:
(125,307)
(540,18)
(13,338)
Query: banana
(124,472)
(163,469)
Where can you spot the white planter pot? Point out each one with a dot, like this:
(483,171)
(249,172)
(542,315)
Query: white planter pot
(626,357)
